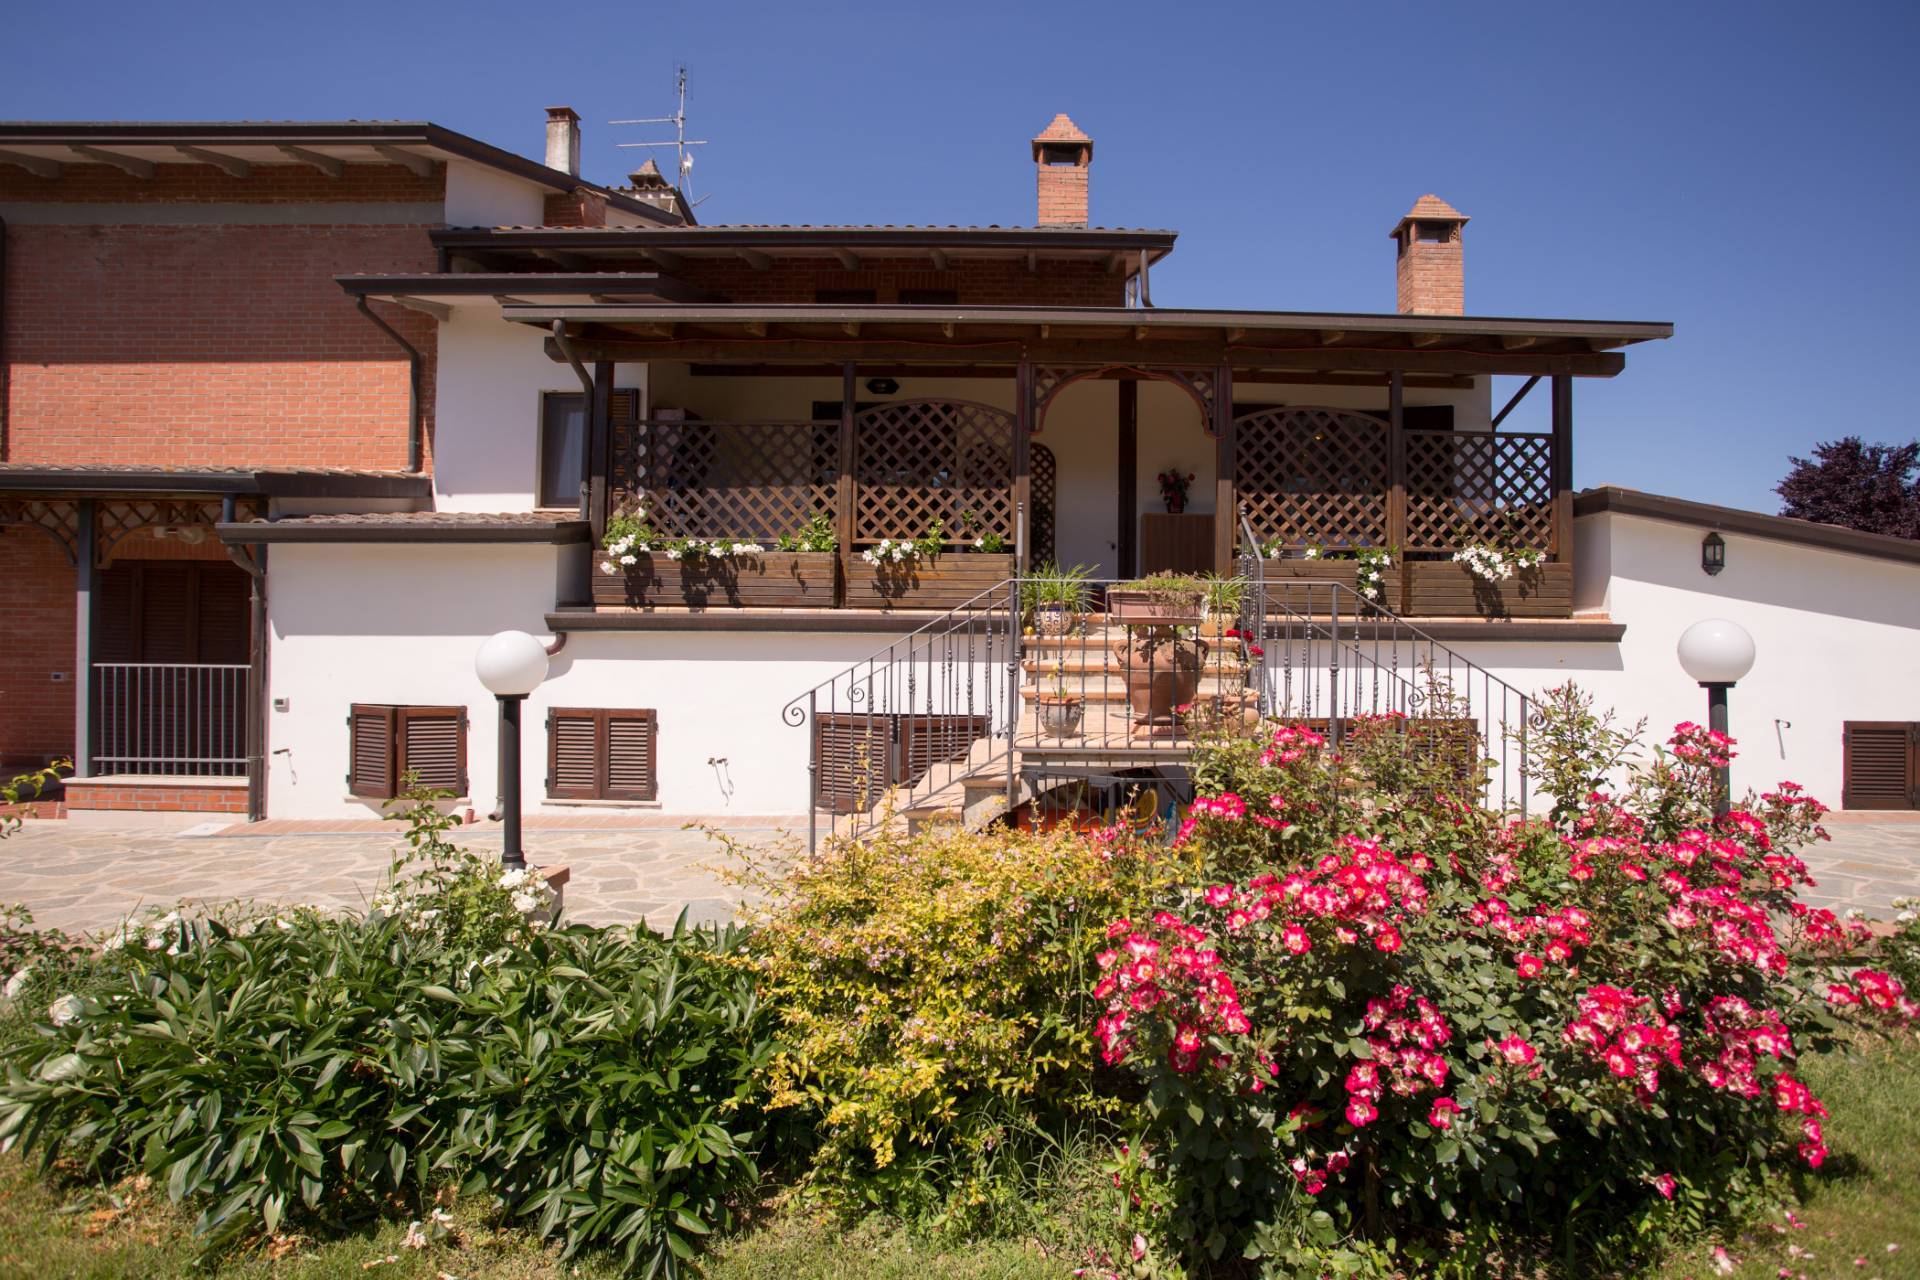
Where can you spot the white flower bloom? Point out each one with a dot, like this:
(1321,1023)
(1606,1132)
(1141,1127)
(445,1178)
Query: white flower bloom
(525,901)
(1311,553)
(629,559)
(673,553)
(18,980)
(64,1010)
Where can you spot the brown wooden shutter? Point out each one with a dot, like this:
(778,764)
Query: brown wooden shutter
(573,754)
(623,406)
(370,754)
(1879,765)
(433,747)
(226,618)
(632,755)
(927,740)
(854,755)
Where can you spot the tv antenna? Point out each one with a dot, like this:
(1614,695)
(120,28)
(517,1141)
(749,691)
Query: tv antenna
(683,162)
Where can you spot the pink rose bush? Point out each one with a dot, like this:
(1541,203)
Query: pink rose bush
(1387,1006)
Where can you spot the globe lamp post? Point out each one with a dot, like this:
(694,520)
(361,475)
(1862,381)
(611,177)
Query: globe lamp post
(1716,654)
(511,665)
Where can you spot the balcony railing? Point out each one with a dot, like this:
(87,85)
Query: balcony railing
(171,719)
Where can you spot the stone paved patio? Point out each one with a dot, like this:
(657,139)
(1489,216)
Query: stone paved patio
(90,872)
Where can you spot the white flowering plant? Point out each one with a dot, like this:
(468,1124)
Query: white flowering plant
(1370,571)
(889,552)
(1495,564)
(439,889)
(631,535)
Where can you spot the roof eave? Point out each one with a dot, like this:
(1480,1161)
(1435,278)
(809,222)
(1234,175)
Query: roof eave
(1612,499)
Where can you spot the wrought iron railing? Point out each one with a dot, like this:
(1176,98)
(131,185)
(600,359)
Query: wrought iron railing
(172,719)
(992,704)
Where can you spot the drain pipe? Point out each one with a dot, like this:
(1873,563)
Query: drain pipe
(1146,290)
(416,434)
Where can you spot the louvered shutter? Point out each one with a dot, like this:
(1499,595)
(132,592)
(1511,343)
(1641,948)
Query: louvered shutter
(632,755)
(370,756)
(927,740)
(169,612)
(433,747)
(573,754)
(854,759)
(1879,769)
(225,613)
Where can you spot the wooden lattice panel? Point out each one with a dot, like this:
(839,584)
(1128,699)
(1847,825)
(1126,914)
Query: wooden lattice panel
(917,461)
(58,519)
(1479,486)
(748,480)
(1313,475)
(1045,484)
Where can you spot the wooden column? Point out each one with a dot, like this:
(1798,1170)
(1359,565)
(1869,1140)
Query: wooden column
(844,486)
(1127,434)
(1562,549)
(1023,468)
(83,612)
(1396,464)
(1226,514)
(598,448)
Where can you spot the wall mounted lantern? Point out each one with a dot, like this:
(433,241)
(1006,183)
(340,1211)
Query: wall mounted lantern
(1713,554)
(882,386)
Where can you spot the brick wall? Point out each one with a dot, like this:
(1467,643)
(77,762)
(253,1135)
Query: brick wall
(1062,195)
(210,344)
(157,797)
(36,635)
(987,283)
(1432,279)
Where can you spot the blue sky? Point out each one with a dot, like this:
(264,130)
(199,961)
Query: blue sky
(1749,172)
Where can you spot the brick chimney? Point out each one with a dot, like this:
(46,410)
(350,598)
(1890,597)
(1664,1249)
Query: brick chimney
(563,140)
(1431,269)
(1061,156)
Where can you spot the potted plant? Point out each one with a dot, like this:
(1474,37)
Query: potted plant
(1060,710)
(640,566)
(1054,598)
(919,572)
(1163,599)
(1162,664)
(1174,484)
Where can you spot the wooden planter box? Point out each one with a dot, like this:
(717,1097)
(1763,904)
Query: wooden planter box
(770,580)
(1443,589)
(1345,572)
(945,582)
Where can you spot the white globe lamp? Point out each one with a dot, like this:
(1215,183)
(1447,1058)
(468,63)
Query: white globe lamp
(511,664)
(1717,654)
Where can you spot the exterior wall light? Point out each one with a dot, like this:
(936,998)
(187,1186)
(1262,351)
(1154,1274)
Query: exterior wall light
(882,386)
(1713,554)
(1717,654)
(511,665)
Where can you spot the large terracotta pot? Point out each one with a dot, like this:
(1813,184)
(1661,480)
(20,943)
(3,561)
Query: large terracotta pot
(1156,687)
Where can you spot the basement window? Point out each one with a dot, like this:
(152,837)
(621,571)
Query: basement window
(597,753)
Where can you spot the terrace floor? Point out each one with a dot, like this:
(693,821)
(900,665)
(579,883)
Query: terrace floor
(90,872)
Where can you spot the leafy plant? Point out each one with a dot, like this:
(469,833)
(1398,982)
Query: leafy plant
(1051,586)
(986,543)
(25,788)
(930,991)
(1381,1012)
(598,1083)
(819,535)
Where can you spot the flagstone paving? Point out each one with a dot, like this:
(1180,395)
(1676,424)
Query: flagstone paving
(90,872)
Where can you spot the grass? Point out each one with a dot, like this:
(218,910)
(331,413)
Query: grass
(1867,1197)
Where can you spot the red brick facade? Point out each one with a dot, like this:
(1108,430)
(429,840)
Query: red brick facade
(204,184)
(207,345)
(156,797)
(36,634)
(975,283)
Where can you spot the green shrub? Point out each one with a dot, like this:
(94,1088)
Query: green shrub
(1386,1014)
(931,995)
(597,1082)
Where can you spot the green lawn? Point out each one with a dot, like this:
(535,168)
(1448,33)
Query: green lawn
(1866,1198)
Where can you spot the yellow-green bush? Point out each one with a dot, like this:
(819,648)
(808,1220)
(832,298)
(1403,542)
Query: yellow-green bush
(931,993)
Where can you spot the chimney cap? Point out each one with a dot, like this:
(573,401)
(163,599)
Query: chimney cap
(1061,129)
(1428,208)
(647,175)
(563,113)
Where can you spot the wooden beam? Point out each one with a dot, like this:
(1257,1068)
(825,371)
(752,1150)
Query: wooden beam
(665,259)
(754,258)
(848,259)
(125,163)
(1139,333)
(562,259)
(1562,468)
(1235,335)
(850,327)
(1118,349)
(38,166)
(1333,337)
(1116,263)
(1514,403)
(420,165)
(1226,500)
(1128,431)
(232,166)
(1518,342)
(1396,462)
(332,166)
(1422,340)
(662,330)
(947,329)
(939,259)
(438,310)
(756,369)
(1033,262)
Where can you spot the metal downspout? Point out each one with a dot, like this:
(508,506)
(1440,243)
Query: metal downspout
(416,434)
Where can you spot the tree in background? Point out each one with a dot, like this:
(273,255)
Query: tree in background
(1871,487)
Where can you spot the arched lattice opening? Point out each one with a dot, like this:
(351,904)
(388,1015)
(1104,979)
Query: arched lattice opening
(1200,386)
